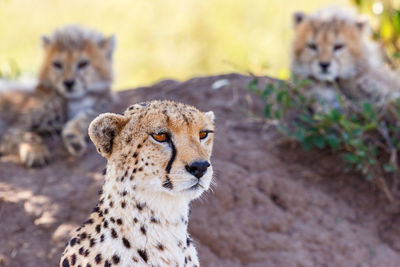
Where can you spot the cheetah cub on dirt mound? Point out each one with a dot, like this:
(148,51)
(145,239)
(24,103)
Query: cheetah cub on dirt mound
(73,88)
(332,47)
(158,161)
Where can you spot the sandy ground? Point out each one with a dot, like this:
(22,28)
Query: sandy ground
(273,205)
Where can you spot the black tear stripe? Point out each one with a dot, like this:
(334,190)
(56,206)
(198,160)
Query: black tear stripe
(167,183)
(173,156)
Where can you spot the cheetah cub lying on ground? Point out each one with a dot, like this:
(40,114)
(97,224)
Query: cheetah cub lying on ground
(158,161)
(73,88)
(333,49)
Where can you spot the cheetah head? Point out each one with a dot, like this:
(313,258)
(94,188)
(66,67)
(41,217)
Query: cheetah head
(331,44)
(162,147)
(77,60)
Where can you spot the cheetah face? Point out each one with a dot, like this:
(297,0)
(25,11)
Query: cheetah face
(328,48)
(164,147)
(75,64)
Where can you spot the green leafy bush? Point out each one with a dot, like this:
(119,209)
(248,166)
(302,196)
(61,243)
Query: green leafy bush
(367,141)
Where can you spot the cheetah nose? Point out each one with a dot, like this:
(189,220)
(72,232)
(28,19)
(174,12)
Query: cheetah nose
(69,84)
(324,65)
(198,168)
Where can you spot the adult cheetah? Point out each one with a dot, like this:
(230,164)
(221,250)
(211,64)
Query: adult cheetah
(158,161)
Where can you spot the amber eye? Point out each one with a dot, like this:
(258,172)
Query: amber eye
(338,47)
(203,135)
(160,137)
(312,46)
(83,64)
(57,65)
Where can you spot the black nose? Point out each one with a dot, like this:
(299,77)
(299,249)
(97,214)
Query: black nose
(198,168)
(324,65)
(69,84)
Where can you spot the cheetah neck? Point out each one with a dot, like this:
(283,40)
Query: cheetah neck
(122,199)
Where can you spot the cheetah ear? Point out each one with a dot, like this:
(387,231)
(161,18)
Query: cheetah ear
(210,115)
(103,129)
(298,18)
(108,45)
(46,41)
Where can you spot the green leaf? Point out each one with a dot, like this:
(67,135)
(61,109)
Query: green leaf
(267,110)
(351,158)
(253,85)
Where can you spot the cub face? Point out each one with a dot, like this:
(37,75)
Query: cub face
(164,147)
(328,46)
(77,61)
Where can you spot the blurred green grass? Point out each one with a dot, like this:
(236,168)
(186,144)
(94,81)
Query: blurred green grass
(163,38)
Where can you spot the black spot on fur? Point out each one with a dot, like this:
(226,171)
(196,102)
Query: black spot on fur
(154,220)
(115,259)
(139,206)
(81,250)
(98,228)
(98,258)
(135,154)
(83,235)
(90,221)
(72,242)
(88,265)
(160,246)
(143,230)
(188,241)
(119,221)
(114,233)
(123,204)
(65,263)
(126,242)
(105,224)
(102,238)
(107,264)
(167,183)
(73,259)
(92,242)
(143,254)
(135,220)
(104,171)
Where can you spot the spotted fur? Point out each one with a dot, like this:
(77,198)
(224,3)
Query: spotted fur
(142,215)
(74,87)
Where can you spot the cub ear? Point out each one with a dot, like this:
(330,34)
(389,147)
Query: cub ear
(103,129)
(46,41)
(108,45)
(298,18)
(210,115)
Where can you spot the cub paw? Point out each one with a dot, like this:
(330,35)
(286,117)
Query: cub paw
(34,155)
(76,145)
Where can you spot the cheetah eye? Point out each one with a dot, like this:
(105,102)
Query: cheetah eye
(312,46)
(160,137)
(83,64)
(204,134)
(338,47)
(57,65)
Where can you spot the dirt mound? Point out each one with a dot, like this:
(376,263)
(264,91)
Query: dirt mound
(272,205)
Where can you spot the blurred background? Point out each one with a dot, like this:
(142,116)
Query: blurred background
(161,39)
